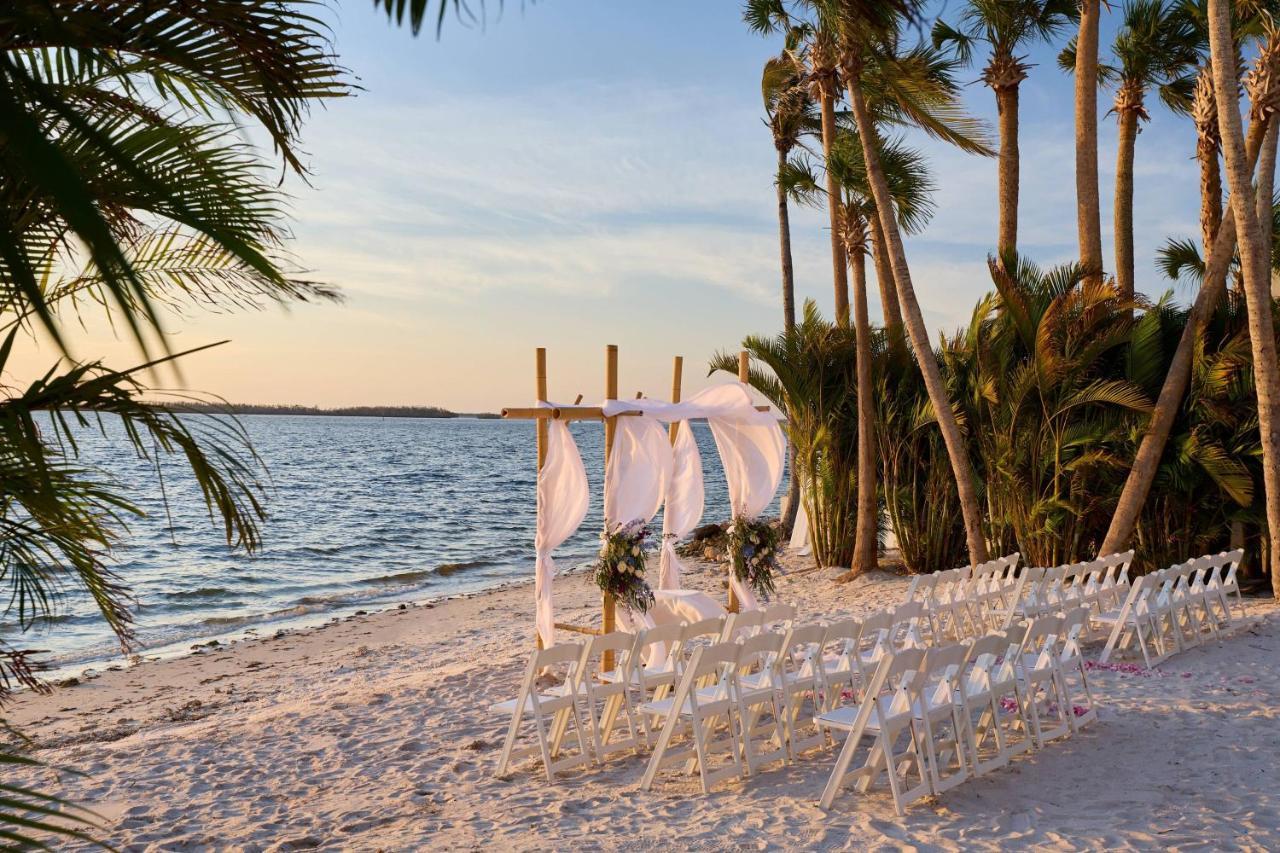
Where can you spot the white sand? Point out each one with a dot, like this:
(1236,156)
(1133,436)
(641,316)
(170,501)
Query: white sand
(372,733)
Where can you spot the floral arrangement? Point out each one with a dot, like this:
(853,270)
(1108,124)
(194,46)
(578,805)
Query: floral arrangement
(753,551)
(620,569)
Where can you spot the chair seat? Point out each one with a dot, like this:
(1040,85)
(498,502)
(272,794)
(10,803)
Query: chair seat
(845,716)
(708,700)
(555,698)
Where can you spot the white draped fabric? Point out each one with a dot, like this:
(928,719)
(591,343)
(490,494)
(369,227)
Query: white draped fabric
(684,504)
(800,532)
(751,446)
(638,471)
(645,470)
(562,504)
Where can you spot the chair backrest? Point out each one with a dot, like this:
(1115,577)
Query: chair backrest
(560,662)
(763,650)
(901,672)
(717,663)
(620,643)
(779,614)
(741,624)
(656,647)
(842,637)
(1042,639)
(801,648)
(906,630)
(984,651)
(1231,560)
(921,587)
(941,672)
(704,630)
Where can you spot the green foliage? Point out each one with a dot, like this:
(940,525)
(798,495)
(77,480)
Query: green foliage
(619,569)
(1052,382)
(753,553)
(808,373)
(127,189)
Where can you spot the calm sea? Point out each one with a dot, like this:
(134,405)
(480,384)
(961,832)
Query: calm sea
(364,512)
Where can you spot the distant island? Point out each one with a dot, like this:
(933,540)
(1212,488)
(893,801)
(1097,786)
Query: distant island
(342,411)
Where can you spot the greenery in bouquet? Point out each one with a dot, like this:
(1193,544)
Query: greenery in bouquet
(620,569)
(753,551)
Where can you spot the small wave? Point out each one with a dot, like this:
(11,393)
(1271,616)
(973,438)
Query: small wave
(202,592)
(400,577)
(446,569)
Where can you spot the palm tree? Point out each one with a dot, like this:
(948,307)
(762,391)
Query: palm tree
(1255,264)
(911,188)
(125,184)
(1088,208)
(1006,26)
(1220,257)
(870,60)
(790,114)
(1157,46)
(826,85)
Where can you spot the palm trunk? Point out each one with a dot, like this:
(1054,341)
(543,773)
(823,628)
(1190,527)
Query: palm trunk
(1137,486)
(1008,166)
(1257,284)
(792,505)
(1127,124)
(784,243)
(913,318)
(866,527)
(838,263)
(1266,192)
(1088,216)
(1204,111)
(884,278)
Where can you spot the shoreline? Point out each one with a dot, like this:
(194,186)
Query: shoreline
(372,732)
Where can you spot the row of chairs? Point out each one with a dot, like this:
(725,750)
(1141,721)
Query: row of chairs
(625,707)
(1173,609)
(930,719)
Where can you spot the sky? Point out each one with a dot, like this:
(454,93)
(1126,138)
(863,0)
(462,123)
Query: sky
(587,172)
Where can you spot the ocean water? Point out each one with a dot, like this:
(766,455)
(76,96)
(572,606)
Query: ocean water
(364,512)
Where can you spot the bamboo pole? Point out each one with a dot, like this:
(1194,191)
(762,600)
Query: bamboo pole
(540,381)
(608,607)
(677,373)
(744,374)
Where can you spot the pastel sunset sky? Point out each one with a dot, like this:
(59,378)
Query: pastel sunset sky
(584,172)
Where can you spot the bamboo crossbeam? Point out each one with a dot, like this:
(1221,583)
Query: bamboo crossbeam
(560,413)
(577,629)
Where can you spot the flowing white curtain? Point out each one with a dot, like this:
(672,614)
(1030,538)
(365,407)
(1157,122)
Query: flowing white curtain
(562,504)
(684,504)
(751,446)
(800,533)
(752,450)
(638,471)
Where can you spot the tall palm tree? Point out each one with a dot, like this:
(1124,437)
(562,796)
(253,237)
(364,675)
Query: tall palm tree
(1220,256)
(790,114)
(826,85)
(1088,207)
(870,61)
(1006,26)
(911,188)
(1158,46)
(1255,264)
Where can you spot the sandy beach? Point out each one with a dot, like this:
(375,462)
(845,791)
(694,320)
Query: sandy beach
(372,733)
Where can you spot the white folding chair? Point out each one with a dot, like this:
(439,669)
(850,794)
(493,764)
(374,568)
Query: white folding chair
(1132,621)
(653,668)
(985,738)
(1071,665)
(800,680)
(1228,583)
(884,716)
(758,690)
(551,711)
(937,700)
(608,700)
(873,644)
(839,661)
(708,714)
(1041,680)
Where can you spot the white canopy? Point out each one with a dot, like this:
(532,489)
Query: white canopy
(645,470)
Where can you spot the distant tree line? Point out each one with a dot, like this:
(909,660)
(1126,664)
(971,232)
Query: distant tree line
(341,411)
